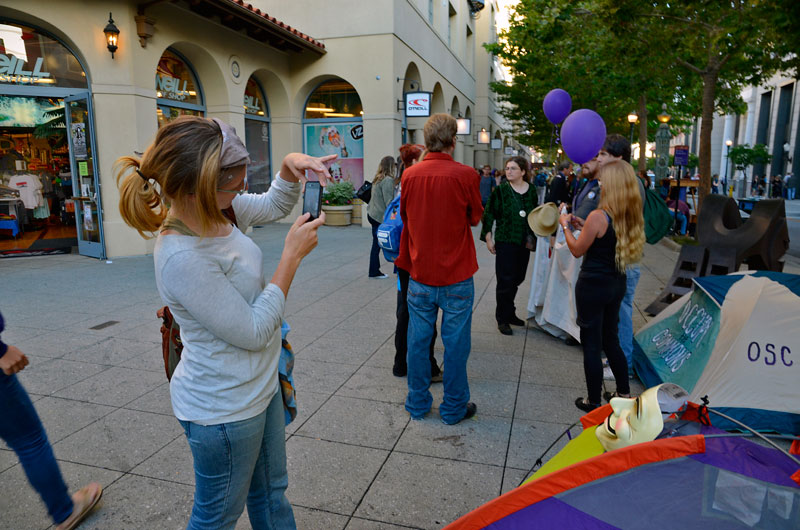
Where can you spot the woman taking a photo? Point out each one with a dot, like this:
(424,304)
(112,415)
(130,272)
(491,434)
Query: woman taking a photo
(509,206)
(383,185)
(224,391)
(611,239)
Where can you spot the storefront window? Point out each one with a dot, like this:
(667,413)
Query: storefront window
(256,134)
(177,89)
(334,99)
(28,57)
(333,125)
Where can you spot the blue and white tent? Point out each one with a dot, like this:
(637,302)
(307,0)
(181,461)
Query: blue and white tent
(735,339)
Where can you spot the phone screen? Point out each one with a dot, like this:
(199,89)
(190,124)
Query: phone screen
(312,199)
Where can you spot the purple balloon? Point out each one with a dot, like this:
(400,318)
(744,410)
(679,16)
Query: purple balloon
(557,105)
(582,135)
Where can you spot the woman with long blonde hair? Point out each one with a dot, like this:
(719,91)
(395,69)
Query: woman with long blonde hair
(383,186)
(611,239)
(225,391)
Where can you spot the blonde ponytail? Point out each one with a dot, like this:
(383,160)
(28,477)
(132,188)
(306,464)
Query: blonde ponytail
(140,203)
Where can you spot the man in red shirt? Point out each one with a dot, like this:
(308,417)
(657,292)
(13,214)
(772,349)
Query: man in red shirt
(441,200)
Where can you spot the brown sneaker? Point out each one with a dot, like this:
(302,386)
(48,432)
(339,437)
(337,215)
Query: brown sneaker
(83,501)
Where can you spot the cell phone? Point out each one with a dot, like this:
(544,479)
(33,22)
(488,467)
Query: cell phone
(312,199)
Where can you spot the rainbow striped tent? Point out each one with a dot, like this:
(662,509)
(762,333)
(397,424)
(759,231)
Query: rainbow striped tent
(703,481)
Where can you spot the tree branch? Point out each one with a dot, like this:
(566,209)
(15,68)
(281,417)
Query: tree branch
(681,19)
(690,66)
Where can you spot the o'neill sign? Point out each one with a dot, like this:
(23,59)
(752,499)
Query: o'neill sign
(418,104)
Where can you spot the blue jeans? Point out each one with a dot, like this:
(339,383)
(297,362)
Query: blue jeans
(625,332)
(683,222)
(238,462)
(424,302)
(22,430)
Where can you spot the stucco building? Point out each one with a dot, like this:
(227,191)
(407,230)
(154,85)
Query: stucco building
(311,76)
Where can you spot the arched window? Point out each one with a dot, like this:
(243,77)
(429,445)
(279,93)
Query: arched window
(177,88)
(29,57)
(333,125)
(257,137)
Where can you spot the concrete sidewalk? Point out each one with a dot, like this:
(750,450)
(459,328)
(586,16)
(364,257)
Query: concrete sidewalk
(355,459)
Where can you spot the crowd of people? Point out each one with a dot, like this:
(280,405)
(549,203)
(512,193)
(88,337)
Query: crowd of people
(189,191)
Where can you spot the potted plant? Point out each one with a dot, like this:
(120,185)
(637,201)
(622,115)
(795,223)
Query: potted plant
(337,203)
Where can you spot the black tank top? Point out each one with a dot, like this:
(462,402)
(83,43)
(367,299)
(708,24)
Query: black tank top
(600,258)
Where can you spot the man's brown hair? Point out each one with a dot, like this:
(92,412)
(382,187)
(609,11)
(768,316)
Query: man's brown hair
(440,132)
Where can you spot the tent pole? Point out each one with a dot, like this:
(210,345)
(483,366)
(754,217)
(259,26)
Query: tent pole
(755,432)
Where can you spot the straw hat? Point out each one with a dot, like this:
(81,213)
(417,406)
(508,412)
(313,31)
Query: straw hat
(543,220)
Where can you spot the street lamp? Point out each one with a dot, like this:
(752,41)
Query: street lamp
(111,31)
(663,136)
(632,118)
(728,143)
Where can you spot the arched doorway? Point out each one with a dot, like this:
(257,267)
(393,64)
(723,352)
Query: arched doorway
(333,124)
(178,91)
(47,147)
(257,137)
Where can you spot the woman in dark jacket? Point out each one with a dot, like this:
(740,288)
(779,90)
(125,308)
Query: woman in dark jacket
(508,208)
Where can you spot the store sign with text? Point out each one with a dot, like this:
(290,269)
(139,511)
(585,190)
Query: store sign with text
(172,88)
(418,104)
(13,70)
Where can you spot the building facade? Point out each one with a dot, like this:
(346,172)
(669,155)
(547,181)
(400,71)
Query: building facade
(313,76)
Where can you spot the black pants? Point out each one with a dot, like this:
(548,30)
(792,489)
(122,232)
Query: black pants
(510,265)
(375,252)
(598,299)
(401,331)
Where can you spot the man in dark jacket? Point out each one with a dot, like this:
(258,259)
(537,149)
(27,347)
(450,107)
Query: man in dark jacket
(559,191)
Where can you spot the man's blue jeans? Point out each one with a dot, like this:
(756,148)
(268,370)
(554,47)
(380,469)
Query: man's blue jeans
(22,430)
(238,462)
(683,222)
(424,302)
(625,332)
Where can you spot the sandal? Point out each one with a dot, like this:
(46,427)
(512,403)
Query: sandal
(585,405)
(83,501)
(608,395)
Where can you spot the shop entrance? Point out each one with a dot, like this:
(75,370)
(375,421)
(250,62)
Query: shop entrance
(49,193)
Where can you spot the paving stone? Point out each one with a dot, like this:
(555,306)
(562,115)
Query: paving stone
(344,351)
(115,386)
(549,403)
(151,360)
(307,405)
(142,502)
(342,419)
(512,479)
(49,376)
(553,372)
(378,384)
(482,439)
(110,350)
(320,377)
(493,366)
(119,441)
(172,463)
(338,484)
(62,417)
(157,401)
(492,397)
(495,342)
(365,524)
(425,492)
(310,518)
(22,507)
(8,458)
(530,439)
(56,344)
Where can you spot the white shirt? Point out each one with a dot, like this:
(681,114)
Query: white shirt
(29,188)
(230,318)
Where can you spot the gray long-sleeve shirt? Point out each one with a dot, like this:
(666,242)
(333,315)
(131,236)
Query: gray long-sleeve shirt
(230,318)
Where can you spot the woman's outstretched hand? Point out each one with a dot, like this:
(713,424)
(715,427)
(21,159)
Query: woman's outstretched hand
(294,166)
(302,236)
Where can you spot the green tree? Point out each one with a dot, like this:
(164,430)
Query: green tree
(565,44)
(726,45)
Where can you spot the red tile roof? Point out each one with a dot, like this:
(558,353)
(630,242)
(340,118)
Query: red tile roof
(309,41)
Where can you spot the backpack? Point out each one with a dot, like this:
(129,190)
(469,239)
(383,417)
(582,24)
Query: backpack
(657,218)
(389,230)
